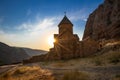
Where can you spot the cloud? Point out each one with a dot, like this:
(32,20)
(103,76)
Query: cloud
(39,26)
(33,35)
(79,15)
(46,23)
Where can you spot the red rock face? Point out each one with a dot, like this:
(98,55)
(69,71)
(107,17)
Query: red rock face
(104,22)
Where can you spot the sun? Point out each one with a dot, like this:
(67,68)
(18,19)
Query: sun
(51,40)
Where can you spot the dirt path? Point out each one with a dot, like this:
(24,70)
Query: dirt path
(110,69)
(97,73)
(7,67)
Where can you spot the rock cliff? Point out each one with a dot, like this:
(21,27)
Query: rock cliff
(104,22)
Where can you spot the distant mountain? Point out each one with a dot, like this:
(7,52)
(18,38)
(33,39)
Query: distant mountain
(34,52)
(104,22)
(9,55)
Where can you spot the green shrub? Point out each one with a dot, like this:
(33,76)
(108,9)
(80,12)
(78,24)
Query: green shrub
(114,59)
(97,61)
(45,63)
(117,76)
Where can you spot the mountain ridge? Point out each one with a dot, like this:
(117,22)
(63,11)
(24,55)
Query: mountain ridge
(10,55)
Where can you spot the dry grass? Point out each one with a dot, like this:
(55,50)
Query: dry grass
(27,73)
(106,58)
(75,75)
(97,61)
(114,57)
(58,65)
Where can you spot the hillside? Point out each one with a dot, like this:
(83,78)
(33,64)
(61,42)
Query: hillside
(34,52)
(9,55)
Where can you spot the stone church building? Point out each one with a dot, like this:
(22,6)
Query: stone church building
(66,43)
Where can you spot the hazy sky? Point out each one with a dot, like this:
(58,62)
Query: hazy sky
(29,23)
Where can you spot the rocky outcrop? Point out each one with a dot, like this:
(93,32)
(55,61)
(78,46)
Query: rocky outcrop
(104,22)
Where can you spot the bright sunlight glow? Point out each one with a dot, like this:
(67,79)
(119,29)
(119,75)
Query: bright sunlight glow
(51,40)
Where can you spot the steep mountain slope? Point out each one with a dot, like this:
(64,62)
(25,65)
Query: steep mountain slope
(104,22)
(9,55)
(34,52)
